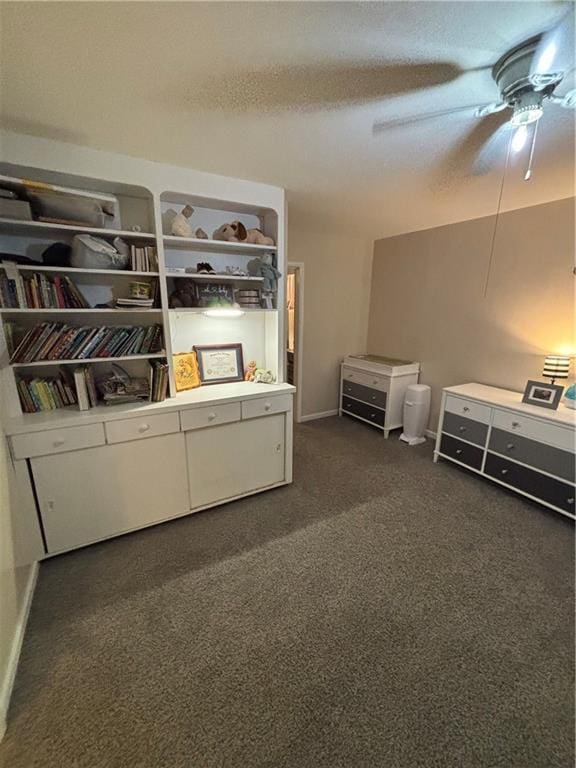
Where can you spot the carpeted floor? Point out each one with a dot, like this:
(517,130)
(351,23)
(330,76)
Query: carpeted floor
(383,611)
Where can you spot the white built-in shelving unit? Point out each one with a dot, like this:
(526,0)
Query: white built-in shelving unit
(149,195)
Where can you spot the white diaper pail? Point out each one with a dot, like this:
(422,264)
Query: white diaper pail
(416,413)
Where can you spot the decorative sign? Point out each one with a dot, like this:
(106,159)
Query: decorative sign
(186,373)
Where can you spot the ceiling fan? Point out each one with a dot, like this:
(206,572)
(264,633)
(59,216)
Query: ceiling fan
(527,78)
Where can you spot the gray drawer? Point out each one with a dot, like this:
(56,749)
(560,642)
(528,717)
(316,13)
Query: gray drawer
(462,452)
(539,455)
(366,394)
(555,492)
(467,429)
(363,411)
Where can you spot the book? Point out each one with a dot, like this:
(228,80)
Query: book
(81,388)
(44,393)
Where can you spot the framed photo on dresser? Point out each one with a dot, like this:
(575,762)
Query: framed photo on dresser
(542,394)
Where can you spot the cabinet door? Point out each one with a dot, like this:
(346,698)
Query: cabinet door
(233,459)
(100,492)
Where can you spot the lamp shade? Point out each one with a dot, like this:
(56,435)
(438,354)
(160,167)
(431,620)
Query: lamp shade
(556,367)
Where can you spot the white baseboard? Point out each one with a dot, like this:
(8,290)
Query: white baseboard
(322,415)
(7,684)
(431,434)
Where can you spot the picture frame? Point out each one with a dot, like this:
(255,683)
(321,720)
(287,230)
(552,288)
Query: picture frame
(220,363)
(542,394)
(186,373)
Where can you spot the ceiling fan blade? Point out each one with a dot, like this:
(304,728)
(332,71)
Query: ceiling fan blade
(568,101)
(473,110)
(491,109)
(554,55)
(320,86)
(477,152)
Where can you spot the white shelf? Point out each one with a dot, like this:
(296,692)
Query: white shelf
(214,246)
(202,310)
(74,270)
(38,228)
(83,311)
(81,361)
(212,277)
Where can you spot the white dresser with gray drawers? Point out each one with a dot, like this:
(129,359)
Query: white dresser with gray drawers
(528,449)
(372,389)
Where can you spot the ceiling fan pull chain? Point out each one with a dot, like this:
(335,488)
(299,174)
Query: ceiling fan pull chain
(528,174)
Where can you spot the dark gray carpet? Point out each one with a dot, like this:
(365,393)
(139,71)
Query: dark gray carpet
(382,611)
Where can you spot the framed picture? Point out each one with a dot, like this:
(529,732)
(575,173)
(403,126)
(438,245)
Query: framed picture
(186,373)
(219,363)
(542,394)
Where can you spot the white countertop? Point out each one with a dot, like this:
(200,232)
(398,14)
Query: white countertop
(513,401)
(194,398)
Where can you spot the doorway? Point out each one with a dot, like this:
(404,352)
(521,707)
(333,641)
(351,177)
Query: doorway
(294,328)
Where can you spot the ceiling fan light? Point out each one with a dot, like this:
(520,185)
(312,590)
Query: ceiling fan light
(524,115)
(519,138)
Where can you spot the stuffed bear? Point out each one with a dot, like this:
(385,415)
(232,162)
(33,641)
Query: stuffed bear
(263,376)
(250,371)
(180,225)
(182,295)
(263,266)
(237,233)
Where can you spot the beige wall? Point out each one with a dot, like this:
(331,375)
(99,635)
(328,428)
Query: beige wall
(336,301)
(427,299)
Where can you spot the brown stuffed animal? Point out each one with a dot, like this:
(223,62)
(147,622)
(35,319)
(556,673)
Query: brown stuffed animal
(237,233)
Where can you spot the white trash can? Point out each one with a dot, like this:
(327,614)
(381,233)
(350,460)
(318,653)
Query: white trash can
(416,413)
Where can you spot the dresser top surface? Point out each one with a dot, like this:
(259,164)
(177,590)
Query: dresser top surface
(201,396)
(507,398)
(389,366)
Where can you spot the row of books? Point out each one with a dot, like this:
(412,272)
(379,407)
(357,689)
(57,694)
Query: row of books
(59,341)
(46,393)
(79,387)
(39,291)
(143,258)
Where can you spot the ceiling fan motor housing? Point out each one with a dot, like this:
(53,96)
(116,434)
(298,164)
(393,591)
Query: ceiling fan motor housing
(519,89)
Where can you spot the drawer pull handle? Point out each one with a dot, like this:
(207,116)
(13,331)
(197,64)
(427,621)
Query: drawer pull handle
(465,409)
(375,381)
(144,428)
(372,415)
(462,429)
(515,424)
(458,451)
(278,448)
(267,406)
(211,416)
(58,443)
(570,500)
(510,447)
(504,471)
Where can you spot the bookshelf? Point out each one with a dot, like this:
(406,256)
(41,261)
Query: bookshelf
(93,468)
(147,199)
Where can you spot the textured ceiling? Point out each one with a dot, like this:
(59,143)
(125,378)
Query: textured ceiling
(292,94)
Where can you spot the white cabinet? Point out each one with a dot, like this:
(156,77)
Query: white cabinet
(233,459)
(101,492)
(372,389)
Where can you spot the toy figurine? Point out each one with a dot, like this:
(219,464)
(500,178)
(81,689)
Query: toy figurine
(250,371)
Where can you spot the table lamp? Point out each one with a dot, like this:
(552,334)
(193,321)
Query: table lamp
(556,367)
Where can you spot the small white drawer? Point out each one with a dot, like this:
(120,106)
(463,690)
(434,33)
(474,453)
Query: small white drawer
(372,380)
(264,406)
(542,431)
(57,440)
(135,429)
(197,418)
(468,409)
